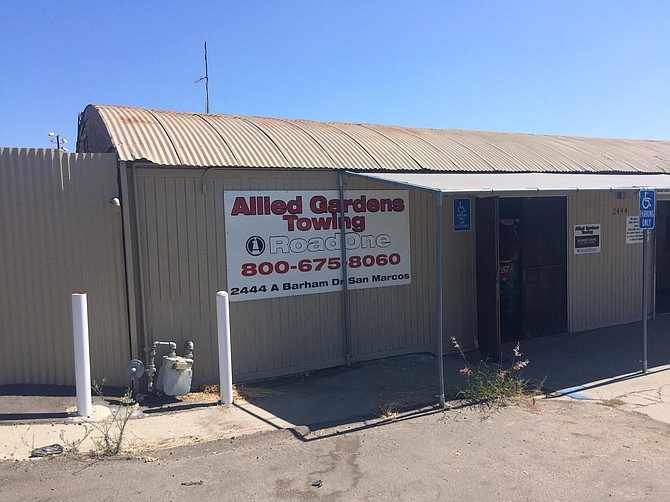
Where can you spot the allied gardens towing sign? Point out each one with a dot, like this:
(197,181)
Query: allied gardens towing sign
(285,243)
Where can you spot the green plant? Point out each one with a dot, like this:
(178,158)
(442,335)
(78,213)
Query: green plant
(109,439)
(71,447)
(492,384)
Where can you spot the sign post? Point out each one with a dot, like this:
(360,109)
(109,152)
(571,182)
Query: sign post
(647,217)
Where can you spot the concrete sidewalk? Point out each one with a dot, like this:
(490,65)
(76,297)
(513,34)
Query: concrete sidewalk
(145,433)
(597,367)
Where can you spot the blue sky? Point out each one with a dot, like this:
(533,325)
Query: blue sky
(589,68)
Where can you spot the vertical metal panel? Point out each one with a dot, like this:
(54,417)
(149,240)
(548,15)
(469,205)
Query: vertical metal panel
(605,287)
(182,241)
(460,289)
(401,319)
(182,238)
(60,235)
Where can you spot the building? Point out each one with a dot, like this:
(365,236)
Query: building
(485,237)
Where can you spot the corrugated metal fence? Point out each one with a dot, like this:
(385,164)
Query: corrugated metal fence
(59,234)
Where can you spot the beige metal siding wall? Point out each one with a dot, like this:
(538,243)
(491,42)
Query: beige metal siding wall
(399,319)
(183,262)
(60,235)
(605,287)
(402,319)
(460,279)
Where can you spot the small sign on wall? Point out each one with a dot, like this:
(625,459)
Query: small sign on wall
(634,233)
(461,215)
(587,238)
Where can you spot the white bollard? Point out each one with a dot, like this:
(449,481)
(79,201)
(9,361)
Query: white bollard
(225,364)
(82,360)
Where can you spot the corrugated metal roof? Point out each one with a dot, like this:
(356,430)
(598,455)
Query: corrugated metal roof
(210,140)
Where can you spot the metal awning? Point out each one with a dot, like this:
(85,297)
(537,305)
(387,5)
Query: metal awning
(509,184)
(522,183)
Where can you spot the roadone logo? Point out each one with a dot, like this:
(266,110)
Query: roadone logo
(291,211)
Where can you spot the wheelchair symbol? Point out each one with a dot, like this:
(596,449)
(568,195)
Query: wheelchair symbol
(646,202)
(461,208)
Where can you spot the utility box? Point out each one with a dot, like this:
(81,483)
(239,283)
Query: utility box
(174,377)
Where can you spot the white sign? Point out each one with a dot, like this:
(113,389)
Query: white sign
(286,243)
(587,238)
(634,233)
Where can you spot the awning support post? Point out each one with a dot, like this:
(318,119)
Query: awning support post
(438,274)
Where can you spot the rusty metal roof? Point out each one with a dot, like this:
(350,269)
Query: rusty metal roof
(176,139)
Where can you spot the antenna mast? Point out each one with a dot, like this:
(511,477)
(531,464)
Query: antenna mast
(206,79)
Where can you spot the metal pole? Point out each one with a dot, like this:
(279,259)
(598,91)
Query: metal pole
(206,82)
(129,264)
(645,300)
(438,274)
(140,266)
(346,314)
(82,360)
(225,364)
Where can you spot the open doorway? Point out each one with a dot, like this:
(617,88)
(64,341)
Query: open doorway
(521,269)
(662,260)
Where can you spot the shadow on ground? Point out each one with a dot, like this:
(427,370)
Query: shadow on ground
(398,384)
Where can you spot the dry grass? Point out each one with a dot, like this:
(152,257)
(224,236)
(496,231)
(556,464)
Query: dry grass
(388,410)
(245,393)
(533,407)
(212,394)
(612,403)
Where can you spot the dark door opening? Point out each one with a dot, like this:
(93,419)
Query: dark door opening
(488,295)
(662,260)
(526,239)
(544,249)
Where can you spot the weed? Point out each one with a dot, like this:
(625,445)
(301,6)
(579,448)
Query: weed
(388,410)
(71,447)
(612,403)
(492,384)
(109,439)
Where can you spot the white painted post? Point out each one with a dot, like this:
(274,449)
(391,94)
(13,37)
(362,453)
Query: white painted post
(225,364)
(82,360)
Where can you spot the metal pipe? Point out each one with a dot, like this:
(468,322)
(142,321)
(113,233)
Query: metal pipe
(128,261)
(438,274)
(346,313)
(172,345)
(151,367)
(225,359)
(188,349)
(140,266)
(82,359)
(645,299)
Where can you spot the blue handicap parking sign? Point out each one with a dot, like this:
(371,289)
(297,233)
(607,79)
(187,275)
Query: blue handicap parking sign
(461,215)
(647,208)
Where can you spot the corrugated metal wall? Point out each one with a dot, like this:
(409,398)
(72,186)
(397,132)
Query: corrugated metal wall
(403,319)
(605,287)
(181,237)
(60,235)
(183,265)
